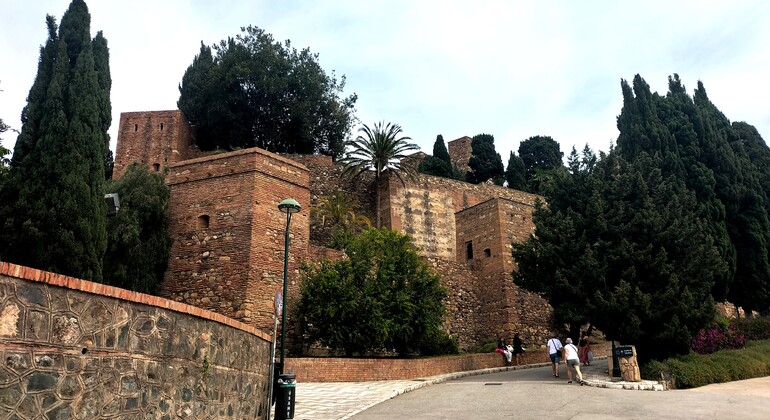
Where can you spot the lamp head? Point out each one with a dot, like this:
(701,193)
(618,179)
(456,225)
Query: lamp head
(289,205)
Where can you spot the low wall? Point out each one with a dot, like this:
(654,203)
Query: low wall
(329,369)
(80,350)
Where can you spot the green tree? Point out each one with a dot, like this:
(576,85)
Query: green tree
(439,164)
(542,158)
(338,213)
(55,218)
(381,297)
(379,149)
(137,236)
(258,92)
(485,162)
(515,173)
(4,162)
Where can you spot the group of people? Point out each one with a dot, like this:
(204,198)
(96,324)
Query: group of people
(572,356)
(516,348)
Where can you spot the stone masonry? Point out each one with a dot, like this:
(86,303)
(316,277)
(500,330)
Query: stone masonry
(227,253)
(73,349)
(228,233)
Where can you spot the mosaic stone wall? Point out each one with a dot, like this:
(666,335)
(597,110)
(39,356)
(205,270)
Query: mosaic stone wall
(70,354)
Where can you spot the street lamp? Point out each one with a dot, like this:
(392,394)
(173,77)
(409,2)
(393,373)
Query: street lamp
(288,206)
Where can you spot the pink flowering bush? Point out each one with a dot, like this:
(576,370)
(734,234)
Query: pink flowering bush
(718,337)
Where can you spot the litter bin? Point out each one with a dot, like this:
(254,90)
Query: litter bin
(284,404)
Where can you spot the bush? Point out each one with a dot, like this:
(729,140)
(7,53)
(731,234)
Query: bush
(696,370)
(717,337)
(753,328)
(487,346)
(437,343)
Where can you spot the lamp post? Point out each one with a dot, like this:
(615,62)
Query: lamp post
(288,206)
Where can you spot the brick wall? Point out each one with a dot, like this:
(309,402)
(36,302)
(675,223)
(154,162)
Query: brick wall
(460,152)
(354,370)
(228,234)
(73,349)
(156,138)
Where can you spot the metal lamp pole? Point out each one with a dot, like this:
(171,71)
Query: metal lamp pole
(288,206)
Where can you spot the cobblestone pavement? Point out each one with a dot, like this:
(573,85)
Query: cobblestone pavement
(341,400)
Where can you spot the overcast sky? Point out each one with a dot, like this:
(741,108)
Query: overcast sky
(513,69)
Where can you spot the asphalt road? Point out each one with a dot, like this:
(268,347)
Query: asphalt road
(534,393)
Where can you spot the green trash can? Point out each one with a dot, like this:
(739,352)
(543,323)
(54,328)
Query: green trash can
(284,404)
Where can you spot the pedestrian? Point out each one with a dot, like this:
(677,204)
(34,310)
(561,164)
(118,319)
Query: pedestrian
(503,349)
(518,347)
(554,352)
(571,354)
(585,351)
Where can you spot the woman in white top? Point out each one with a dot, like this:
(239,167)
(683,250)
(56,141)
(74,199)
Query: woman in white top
(572,361)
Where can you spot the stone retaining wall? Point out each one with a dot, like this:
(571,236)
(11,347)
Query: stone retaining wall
(73,349)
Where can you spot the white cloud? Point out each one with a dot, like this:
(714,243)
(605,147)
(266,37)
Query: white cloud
(513,69)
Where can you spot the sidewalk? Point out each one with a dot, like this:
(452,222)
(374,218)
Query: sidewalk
(341,400)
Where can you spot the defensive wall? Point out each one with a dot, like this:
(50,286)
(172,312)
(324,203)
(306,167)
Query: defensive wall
(73,349)
(227,232)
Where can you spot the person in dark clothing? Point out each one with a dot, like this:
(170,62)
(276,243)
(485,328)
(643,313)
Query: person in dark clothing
(518,347)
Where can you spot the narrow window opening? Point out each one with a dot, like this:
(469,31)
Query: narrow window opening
(487,253)
(136,127)
(161,126)
(469,250)
(203,221)
(156,167)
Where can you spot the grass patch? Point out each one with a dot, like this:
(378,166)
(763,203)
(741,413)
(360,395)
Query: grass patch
(694,370)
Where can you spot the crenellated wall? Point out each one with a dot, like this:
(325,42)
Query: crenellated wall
(73,349)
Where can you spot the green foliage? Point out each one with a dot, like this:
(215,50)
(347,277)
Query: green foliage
(138,242)
(541,157)
(337,213)
(485,162)
(382,297)
(640,242)
(692,371)
(515,173)
(255,91)
(440,164)
(53,210)
(379,149)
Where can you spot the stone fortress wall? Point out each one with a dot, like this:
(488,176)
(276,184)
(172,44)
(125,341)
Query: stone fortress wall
(228,233)
(73,349)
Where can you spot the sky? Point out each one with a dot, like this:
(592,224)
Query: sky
(513,69)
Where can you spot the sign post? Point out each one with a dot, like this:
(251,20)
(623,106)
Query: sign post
(277,310)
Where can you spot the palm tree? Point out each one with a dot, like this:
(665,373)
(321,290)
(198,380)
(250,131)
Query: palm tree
(378,149)
(339,210)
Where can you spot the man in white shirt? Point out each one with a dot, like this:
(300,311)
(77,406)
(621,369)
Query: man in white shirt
(554,351)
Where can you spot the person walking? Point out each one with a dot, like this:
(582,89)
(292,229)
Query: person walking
(585,350)
(554,352)
(518,347)
(573,362)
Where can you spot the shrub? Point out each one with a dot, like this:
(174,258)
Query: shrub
(753,328)
(696,370)
(437,343)
(717,337)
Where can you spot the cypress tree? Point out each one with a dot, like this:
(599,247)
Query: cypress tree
(485,162)
(439,164)
(515,173)
(57,221)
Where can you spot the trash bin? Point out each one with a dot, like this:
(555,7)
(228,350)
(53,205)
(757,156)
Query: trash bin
(284,403)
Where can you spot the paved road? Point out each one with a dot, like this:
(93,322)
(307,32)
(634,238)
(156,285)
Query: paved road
(533,393)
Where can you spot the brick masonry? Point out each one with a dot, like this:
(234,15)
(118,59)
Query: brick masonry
(227,253)
(228,233)
(80,350)
(370,369)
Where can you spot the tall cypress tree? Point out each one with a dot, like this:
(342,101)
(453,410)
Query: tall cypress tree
(439,164)
(515,173)
(485,162)
(57,221)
